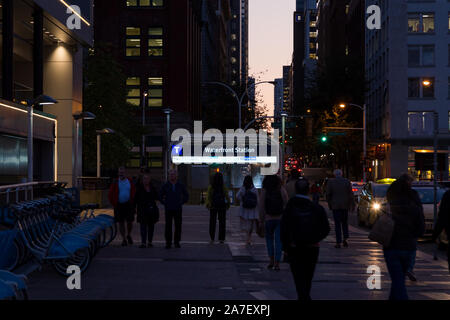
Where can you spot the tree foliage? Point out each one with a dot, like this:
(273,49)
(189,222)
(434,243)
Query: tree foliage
(105,95)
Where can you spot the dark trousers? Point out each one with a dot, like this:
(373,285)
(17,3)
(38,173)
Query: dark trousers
(398,262)
(303,264)
(222,215)
(147,229)
(341,224)
(175,216)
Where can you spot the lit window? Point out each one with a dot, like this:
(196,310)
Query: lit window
(421,88)
(155,42)
(145,3)
(421,22)
(134,91)
(155,92)
(133,42)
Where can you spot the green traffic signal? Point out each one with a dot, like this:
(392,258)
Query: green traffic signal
(324,139)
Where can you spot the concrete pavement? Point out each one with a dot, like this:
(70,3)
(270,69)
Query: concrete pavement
(234,271)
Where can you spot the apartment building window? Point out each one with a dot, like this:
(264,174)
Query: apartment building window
(420,87)
(155,92)
(421,22)
(133,42)
(420,123)
(145,3)
(155,42)
(134,91)
(421,56)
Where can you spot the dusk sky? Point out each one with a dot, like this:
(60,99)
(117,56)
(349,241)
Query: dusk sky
(271,42)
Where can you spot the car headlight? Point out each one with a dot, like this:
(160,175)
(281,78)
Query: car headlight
(376,206)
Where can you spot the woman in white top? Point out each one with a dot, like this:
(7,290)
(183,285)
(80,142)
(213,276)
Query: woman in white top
(249,199)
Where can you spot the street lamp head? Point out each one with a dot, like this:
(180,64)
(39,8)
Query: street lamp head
(106,131)
(342,105)
(284,114)
(43,100)
(84,116)
(167,111)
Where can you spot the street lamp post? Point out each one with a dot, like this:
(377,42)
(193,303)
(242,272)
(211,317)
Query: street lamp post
(39,101)
(435,164)
(167,111)
(143,162)
(78,117)
(99,148)
(364,109)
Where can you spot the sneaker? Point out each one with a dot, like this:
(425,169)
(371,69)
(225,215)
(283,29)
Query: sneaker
(337,246)
(345,244)
(124,243)
(411,276)
(276,267)
(130,240)
(142,246)
(177,245)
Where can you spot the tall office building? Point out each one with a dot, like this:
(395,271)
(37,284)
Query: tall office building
(244,41)
(278,97)
(287,88)
(305,51)
(41,54)
(158,43)
(407,68)
(235,44)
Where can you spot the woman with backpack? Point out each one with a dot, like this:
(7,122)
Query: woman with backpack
(218,202)
(249,199)
(274,198)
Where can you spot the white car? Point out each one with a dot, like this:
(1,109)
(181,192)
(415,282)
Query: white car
(426,194)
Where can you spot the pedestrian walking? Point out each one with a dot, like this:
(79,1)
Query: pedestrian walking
(273,200)
(409,224)
(173,196)
(315,192)
(340,200)
(248,212)
(303,225)
(416,199)
(147,210)
(218,203)
(290,185)
(443,222)
(121,195)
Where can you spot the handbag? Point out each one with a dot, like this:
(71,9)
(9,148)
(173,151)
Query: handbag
(383,230)
(260,229)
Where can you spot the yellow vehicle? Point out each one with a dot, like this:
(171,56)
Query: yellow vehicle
(386,181)
(372,202)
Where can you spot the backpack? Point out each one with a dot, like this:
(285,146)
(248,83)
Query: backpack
(306,226)
(274,204)
(249,200)
(218,200)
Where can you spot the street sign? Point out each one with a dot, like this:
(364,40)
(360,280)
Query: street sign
(289,125)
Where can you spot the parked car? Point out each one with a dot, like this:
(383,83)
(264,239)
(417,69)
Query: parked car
(356,189)
(372,202)
(426,194)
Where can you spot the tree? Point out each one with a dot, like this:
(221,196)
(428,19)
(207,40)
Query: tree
(105,95)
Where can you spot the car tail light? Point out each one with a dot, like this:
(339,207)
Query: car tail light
(354,190)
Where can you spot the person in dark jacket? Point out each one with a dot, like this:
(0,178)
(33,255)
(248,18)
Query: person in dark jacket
(147,210)
(443,222)
(303,257)
(121,196)
(218,202)
(173,195)
(409,225)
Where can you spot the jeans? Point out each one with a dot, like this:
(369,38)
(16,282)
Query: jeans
(412,262)
(302,261)
(222,214)
(341,224)
(398,262)
(147,230)
(173,215)
(273,239)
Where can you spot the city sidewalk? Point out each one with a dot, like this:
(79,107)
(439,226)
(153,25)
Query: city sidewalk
(200,270)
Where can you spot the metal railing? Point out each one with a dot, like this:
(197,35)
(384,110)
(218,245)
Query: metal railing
(11,194)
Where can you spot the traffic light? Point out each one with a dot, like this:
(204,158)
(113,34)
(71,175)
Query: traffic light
(324,139)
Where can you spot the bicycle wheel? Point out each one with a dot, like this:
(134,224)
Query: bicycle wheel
(110,234)
(13,257)
(80,258)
